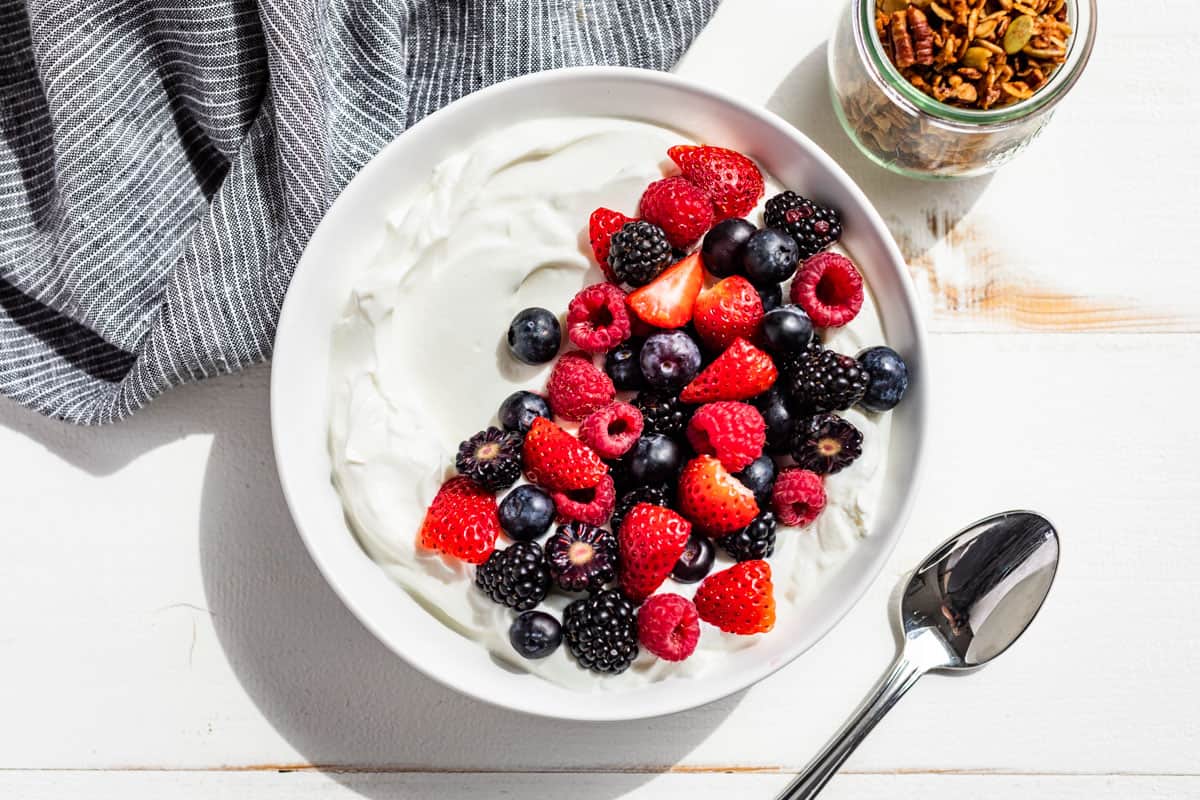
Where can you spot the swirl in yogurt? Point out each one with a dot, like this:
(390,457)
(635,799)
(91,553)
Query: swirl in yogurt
(419,364)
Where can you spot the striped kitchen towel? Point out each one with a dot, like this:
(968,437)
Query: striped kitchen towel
(163,162)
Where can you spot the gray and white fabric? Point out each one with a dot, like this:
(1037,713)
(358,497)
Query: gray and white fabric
(163,162)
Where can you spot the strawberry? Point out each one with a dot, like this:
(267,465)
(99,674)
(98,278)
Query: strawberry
(739,600)
(667,301)
(732,181)
(730,309)
(461,521)
(652,539)
(556,460)
(680,208)
(714,500)
(741,372)
(603,223)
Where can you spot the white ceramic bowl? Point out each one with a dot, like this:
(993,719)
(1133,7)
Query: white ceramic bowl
(350,233)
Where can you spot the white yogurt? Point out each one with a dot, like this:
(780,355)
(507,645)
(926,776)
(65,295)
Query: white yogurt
(419,364)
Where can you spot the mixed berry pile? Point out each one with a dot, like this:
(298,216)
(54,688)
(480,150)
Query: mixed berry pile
(706,417)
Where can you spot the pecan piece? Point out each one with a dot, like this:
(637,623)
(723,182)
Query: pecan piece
(902,44)
(922,36)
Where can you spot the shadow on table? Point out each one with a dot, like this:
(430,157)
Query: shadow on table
(100,451)
(919,213)
(342,699)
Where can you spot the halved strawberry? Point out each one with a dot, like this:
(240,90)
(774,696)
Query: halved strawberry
(714,500)
(556,460)
(740,599)
(741,372)
(668,300)
(732,181)
(461,521)
(603,223)
(680,208)
(729,310)
(652,539)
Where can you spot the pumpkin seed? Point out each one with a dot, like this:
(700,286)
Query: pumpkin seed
(1019,32)
(977,58)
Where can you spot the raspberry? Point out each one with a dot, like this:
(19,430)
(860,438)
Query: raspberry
(798,497)
(829,288)
(680,208)
(734,432)
(612,430)
(593,505)
(669,626)
(577,387)
(603,223)
(597,320)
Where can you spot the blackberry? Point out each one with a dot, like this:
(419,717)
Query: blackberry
(601,631)
(582,556)
(755,541)
(826,444)
(643,494)
(813,226)
(638,253)
(492,458)
(821,380)
(516,577)
(663,413)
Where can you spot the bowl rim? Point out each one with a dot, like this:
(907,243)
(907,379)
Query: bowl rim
(604,706)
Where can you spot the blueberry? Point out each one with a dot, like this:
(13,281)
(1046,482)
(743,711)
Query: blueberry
(887,381)
(622,365)
(526,513)
(759,478)
(696,561)
(771,257)
(772,296)
(520,409)
(670,360)
(654,460)
(534,336)
(535,634)
(787,330)
(724,245)
(777,414)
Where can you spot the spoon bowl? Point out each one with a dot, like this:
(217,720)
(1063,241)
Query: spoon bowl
(967,602)
(979,591)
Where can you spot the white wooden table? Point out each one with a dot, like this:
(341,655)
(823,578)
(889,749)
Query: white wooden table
(164,634)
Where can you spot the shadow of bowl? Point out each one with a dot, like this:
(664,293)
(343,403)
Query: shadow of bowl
(342,699)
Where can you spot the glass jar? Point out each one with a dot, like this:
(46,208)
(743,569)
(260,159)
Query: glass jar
(905,130)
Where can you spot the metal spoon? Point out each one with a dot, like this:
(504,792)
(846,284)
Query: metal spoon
(968,601)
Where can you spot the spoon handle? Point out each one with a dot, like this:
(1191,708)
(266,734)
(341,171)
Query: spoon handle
(891,687)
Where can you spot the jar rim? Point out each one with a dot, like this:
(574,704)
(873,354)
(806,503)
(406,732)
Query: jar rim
(1082,14)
